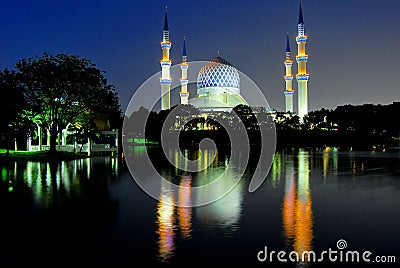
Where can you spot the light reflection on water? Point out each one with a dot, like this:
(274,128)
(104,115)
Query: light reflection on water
(166,224)
(174,216)
(297,214)
(172,219)
(298,200)
(184,209)
(291,171)
(56,203)
(47,179)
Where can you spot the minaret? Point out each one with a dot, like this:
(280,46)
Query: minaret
(302,75)
(184,80)
(165,62)
(288,78)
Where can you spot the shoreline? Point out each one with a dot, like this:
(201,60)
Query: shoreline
(40,156)
(45,156)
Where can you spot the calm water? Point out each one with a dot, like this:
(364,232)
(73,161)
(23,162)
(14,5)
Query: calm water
(93,209)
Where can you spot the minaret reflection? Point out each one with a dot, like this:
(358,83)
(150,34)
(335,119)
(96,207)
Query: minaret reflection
(297,213)
(289,203)
(165,223)
(325,162)
(184,208)
(166,217)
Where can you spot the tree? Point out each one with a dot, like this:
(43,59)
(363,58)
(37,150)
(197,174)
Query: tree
(138,122)
(318,120)
(60,88)
(183,114)
(13,119)
(247,116)
(287,122)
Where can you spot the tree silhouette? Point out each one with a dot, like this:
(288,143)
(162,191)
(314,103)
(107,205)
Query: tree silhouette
(14,121)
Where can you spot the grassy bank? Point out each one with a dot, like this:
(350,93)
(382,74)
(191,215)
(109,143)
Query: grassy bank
(40,155)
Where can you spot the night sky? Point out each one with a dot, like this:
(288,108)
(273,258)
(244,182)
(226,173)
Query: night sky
(353,45)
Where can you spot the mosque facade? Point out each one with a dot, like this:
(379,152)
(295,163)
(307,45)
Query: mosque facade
(218,82)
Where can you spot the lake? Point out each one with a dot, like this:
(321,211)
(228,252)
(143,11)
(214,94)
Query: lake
(92,209)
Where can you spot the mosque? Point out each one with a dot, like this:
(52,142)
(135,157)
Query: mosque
(218,82)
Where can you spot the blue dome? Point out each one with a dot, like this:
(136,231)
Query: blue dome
(218,76)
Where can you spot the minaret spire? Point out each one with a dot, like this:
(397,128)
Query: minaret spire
(288,78)
(287,43)
(184,94)
(302,75)
(166,19)
(301,15)
(165,62)
(184,47)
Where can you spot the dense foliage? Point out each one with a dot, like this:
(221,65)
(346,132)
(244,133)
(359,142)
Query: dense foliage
(55,92)
(362,126)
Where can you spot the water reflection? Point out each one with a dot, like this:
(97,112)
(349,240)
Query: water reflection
(174,211)
(225,213)
(47,180)
(167,226)
(184,209)
(297,215)
(277,168)
(221,220)
(56,203)
(329,161)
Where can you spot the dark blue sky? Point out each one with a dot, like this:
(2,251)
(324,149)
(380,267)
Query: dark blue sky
(353,44)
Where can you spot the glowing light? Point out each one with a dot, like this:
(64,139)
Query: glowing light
(288,209)
(165,221)
(225,212)
(165,63)
(165,80)
(325,159)
(304,222)
(302,58)
(4,174)
(277,168)
(297,216)
(166,44)
(184,209)
(302,77)
(300,39)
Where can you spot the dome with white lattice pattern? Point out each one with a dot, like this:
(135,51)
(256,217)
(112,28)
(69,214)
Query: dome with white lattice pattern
(218,87)
(218,76)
